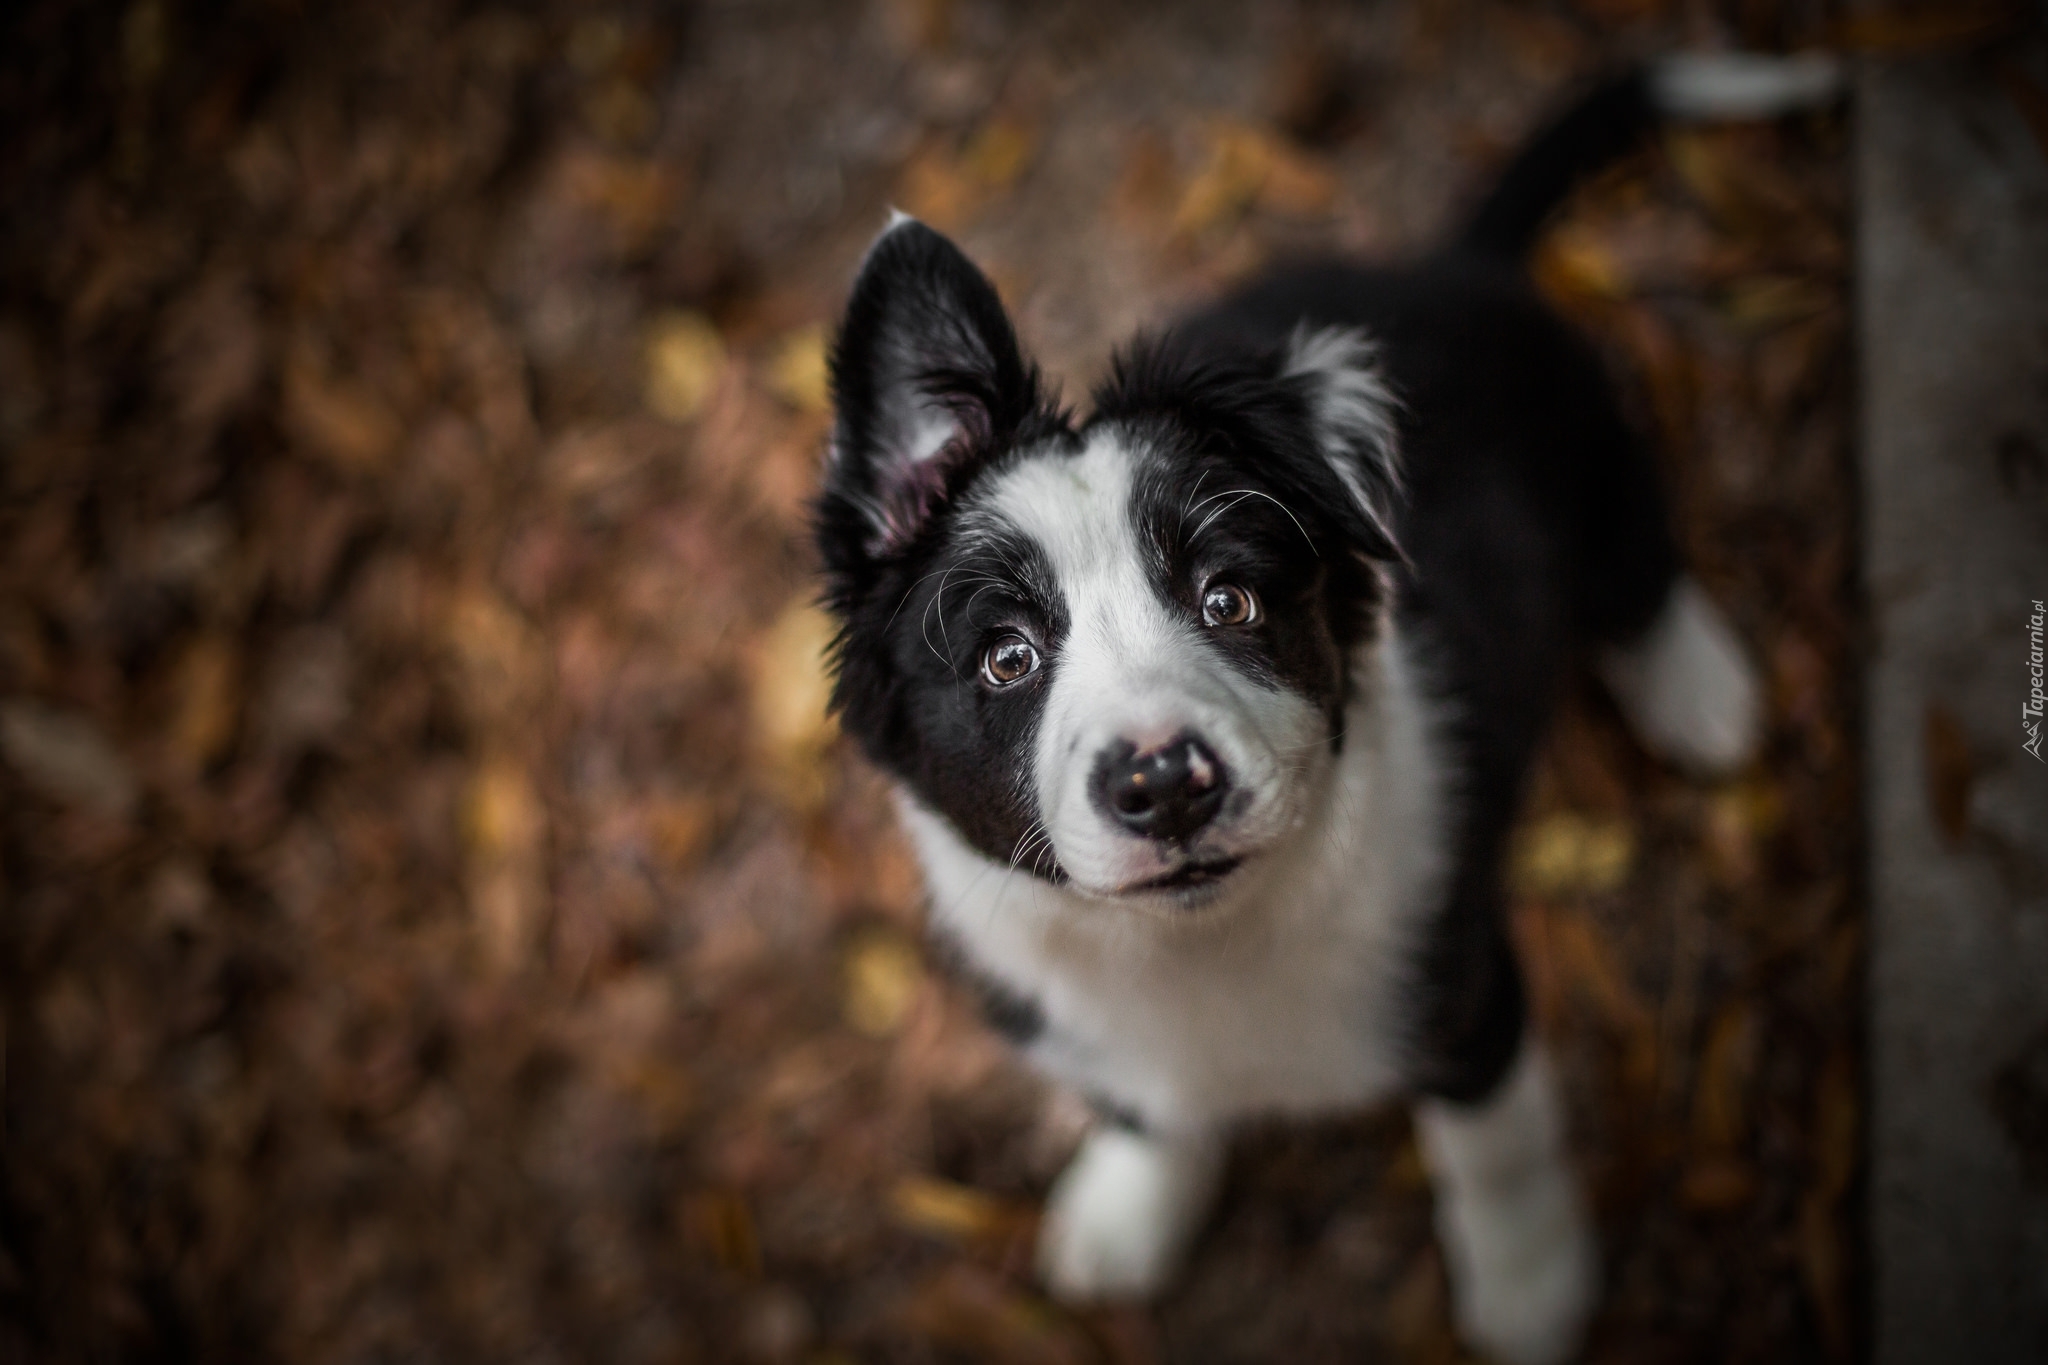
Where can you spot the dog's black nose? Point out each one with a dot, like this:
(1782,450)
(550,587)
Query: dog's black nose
(1164,793)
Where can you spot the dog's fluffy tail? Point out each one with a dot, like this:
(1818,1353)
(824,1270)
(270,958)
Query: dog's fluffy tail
(1611,119)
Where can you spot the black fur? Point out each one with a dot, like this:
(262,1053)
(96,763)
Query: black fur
(1602,125)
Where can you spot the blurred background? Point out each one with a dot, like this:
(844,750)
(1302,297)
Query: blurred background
(438,920)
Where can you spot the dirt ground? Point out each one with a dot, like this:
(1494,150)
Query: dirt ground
(437,920)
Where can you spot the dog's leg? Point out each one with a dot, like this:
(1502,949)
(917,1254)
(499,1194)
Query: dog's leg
(1124,1212)
(1686,685)
(1513,1227)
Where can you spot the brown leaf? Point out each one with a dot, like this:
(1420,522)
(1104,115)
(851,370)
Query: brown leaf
(1837,1128)
(972,1311)
(495,649)
(1148,186)
(1950,770)
(339,419)
(207,701)
(1619,11)
(678,828)
(1823,1263)
(1720,1119)
(1927,26)
(1417,1313)
(1248,166)
(1587,964)
(1717,1185)
(212,352)
(723,1224)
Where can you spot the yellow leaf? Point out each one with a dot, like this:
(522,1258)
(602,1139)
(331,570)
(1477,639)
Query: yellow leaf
(798,374)
(937,191)
(944,1209)
(1571,854)
(1739,817)
(792,695)
(501,814)
(685,358)
(998,153)
(1572,266)
(1239,161)
(503,825)
(883,975)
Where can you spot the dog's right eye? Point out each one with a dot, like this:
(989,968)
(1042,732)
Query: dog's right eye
(1010,659)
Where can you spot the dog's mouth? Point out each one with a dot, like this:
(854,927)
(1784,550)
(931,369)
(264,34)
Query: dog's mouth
(1188,876)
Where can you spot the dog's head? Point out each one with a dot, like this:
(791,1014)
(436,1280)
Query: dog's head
(1114,654)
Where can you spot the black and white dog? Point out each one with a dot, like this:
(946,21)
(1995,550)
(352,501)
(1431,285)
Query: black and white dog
(1209,714)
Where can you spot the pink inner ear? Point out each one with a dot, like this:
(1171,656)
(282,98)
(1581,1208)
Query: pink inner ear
(914,483)
(912,493)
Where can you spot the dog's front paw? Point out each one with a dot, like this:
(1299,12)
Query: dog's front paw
(1122,1215)
(1524,1270)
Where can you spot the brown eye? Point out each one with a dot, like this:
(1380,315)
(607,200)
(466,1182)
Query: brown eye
(1226,604)
(1010,659)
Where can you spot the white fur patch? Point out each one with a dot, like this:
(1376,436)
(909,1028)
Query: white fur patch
(1687,686)
(1120,1220)
(1133,668)
(1354,415)
(1523,1266)
(1743,85)
(1284,995)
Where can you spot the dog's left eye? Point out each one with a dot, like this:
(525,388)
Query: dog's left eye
(1226,604)
(1010,659)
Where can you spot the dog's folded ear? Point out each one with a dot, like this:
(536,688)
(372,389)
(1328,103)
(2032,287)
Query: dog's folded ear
(927,379)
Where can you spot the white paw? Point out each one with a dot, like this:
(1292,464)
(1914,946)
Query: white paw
(1121,1216)
(1687,686)
(1524,1272)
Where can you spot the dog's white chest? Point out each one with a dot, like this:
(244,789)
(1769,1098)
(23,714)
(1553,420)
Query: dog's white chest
(1291,1003)
(1286,1016)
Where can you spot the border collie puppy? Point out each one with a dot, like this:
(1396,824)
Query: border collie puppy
(1208,715)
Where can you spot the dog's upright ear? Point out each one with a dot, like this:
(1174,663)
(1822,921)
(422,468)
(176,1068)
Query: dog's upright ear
(927,380)
(1355,418)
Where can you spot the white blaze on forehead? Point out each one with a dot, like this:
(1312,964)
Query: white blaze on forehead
(1133,667)
(1077,509)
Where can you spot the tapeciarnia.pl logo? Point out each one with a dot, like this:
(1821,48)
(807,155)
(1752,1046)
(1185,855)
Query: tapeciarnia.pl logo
(2030,714)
